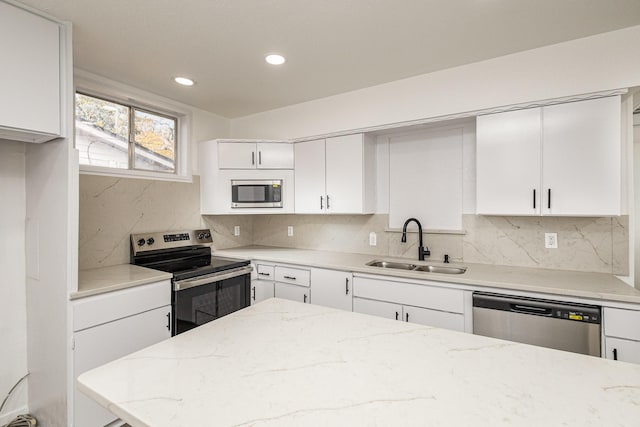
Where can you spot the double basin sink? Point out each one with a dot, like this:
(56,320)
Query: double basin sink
(415,267)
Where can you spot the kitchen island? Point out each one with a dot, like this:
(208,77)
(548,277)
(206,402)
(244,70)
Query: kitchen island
(286,363)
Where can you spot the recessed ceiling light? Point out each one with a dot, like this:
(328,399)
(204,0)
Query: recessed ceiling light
(275,59)
(184,81)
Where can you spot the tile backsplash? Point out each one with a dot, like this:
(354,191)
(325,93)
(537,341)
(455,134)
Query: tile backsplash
(113,208)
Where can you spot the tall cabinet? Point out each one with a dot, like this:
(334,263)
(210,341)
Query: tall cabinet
(562,159)
(335,175)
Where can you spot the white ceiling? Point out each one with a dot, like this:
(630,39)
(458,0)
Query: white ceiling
(331,46)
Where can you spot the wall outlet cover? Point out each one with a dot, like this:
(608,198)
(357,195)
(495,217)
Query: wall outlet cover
(373,239)
(236,230)
(551,240)
(290,230)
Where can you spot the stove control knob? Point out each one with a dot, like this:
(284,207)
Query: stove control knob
(150,241)
(207,235)
(140,242)
(200,236)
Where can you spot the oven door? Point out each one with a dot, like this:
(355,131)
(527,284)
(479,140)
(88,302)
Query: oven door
(256,194)
(201,299)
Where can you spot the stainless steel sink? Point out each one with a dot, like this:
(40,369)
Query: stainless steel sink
(413,267)
(391,264)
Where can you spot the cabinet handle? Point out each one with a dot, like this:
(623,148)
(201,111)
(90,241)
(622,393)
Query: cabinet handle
(253,158)
(615,354)
(407,319)
(327,201)
(169,321)
(534,198)
(265,274)
(549,198)
(321,202)
(290,277)
(254,293)
(259,157)
(397,314)
(346,286)
(305,298)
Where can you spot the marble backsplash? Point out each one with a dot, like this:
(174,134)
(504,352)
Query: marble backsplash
(113,208)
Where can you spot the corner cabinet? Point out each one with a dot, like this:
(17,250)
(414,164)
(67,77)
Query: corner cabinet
(335,175)
(31,52)
(262,282)
(562,159)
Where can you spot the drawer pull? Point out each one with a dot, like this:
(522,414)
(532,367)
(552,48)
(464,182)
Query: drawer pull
(346,286)
(407,319)
(254,293)
(615,354)
(290,277)
(305,298)
(397,314)
(169,321)
(264,274)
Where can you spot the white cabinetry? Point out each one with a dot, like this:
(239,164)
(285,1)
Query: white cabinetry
(262,285)
(424,303)
(292,283)
(332,288)
(252,155)
(110,326)
(29,76)
(621,334)
(561,159)
(336,175)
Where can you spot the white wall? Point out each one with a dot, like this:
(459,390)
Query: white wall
(592,64)
(13,315)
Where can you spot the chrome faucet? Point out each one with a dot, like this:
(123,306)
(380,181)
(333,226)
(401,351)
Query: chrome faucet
(422,252)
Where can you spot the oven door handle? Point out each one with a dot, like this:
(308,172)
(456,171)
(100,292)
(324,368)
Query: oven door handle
(211,278)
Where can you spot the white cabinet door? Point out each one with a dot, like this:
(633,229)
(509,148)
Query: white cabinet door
(332,288)
(377,308)
(344,169)
(293,292)
(237,155)
(275,155)
(310,177)
(508,163)
(101,344)
(261,290)
(624,350)
(30,71)
(581,163)
(438,319)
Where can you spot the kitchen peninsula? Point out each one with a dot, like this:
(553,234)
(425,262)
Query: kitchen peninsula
(285,363)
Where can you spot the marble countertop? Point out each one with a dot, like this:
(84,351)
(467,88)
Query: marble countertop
(283,363)
(106,279)
(597,286)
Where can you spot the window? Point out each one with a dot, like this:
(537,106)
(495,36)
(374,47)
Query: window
(113,135)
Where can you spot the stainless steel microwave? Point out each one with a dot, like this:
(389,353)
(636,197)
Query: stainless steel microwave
(256,193)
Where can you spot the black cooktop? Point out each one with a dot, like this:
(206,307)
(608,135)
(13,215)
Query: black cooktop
(216,265)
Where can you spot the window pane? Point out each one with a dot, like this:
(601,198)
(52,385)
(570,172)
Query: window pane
(102,130)
(155,142)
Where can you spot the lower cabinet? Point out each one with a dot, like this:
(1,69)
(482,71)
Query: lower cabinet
(621,334)
(262,285)
(293,283)
(410,302)
(332,288)
(110,326)
(293,292)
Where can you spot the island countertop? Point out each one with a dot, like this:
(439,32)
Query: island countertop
(286,363)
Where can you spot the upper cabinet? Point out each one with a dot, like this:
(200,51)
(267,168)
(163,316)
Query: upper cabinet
(252,155)
(335,175)
(29,76)
(562,159)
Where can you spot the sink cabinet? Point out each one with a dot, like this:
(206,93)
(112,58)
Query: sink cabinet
(335,175)
(562,159)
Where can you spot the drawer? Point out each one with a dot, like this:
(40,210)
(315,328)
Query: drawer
(438,298)
(624,350)
(110,306)
(294,276)
(265,272)
(621,323)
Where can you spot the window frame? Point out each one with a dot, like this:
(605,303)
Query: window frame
(138,100)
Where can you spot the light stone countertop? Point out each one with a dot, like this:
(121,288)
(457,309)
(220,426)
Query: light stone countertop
(106,279)
(283,363)
(597,286)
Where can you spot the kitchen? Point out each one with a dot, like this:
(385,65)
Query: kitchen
(111,208)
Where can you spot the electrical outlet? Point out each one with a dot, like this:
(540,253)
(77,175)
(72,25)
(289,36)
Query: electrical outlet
(290,231)
(373,238)
(551,240)
(236,230)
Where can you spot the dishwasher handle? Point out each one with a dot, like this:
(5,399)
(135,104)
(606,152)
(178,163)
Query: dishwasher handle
(530,309)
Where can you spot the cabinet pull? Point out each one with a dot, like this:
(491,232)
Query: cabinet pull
(265,274)
(397,314)
(615,354)
(254,293)
(327,201)
(169,321)
(346,286)
(407,318)
(290,277)
(253,158)
(549,198)
(321,202)
(305,298)
(534,198)
(259,157)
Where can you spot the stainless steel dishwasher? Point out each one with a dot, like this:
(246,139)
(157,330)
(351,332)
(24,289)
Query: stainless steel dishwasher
(553,324)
